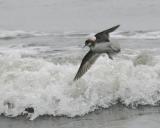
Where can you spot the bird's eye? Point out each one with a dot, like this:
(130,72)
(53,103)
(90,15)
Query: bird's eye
(86,42)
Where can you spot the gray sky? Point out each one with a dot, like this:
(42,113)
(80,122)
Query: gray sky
(79,15)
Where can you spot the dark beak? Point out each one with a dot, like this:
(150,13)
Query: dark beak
(84,46)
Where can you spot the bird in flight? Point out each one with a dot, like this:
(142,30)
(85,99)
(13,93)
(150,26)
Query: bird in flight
(98,44)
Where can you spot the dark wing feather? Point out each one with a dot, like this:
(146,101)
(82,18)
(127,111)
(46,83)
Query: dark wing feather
(86,63)
(104,35)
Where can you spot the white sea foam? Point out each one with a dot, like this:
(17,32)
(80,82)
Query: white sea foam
(48,88)
(137,35)
(9,34)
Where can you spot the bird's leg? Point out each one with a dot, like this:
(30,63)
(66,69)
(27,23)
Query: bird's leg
(110,56)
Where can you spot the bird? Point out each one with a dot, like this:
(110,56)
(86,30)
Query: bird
(98,44)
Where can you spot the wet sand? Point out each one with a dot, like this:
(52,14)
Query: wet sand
(115,117)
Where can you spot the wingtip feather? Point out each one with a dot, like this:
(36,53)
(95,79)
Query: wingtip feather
(113,28)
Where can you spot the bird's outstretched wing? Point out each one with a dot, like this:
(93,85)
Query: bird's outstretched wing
(86,63)
(104,35)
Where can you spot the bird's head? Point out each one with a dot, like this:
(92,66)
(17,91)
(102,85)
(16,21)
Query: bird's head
(90,41)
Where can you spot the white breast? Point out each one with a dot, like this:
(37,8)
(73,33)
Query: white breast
(105,47)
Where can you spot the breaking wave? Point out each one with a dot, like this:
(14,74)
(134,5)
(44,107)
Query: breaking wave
(138,35)
(6,34)
(37,87)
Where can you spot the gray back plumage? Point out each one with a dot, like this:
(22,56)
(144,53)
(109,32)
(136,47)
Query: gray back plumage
(104,35)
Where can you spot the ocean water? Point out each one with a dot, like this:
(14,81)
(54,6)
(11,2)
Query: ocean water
(37,71)
(41,48)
